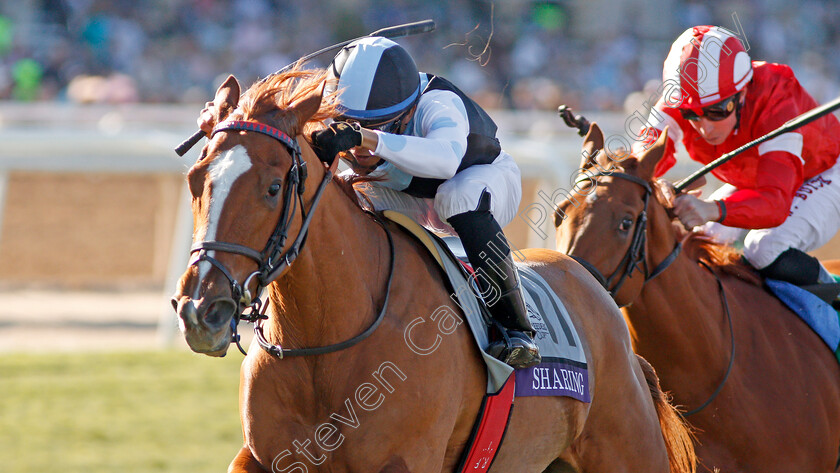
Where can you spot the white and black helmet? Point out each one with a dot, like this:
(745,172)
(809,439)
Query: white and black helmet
(377,79)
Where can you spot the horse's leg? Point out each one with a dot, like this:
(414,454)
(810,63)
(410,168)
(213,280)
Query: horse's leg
(244,462)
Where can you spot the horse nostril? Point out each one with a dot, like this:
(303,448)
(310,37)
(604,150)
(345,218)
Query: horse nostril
(219,313)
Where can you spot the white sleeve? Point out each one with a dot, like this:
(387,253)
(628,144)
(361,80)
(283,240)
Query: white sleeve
(436,141)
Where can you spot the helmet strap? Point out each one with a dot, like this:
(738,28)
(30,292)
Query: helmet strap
(738,105)
(399,127)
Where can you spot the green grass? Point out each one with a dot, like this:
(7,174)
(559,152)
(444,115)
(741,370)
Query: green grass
(128,412)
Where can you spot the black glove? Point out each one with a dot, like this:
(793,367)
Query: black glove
(340,136)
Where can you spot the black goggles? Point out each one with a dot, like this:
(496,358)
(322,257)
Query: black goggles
(387,127)
(391,126)
(715,112)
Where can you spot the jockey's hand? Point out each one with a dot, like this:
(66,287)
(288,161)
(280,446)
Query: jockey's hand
(693,211)
(207,118)
(338,137)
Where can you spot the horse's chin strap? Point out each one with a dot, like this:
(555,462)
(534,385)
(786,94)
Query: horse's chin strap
(636,254)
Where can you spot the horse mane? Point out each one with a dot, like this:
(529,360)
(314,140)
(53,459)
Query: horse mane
(277,93)
(701,247)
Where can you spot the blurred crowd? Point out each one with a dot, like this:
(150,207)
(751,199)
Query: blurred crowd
(516,54)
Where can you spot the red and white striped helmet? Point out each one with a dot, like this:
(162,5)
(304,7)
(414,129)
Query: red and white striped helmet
(709,63)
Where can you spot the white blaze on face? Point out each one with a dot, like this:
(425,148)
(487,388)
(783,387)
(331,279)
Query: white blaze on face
(222,173)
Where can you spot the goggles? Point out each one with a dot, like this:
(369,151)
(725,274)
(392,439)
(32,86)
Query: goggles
(391,126)
(387,127)
(715,112)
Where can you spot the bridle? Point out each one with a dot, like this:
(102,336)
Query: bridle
(272,261)
(636,254)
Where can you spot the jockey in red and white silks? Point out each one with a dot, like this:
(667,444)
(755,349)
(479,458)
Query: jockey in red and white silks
(787,189)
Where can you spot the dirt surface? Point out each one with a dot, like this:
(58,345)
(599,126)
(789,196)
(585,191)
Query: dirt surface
(39,320)
(87,230)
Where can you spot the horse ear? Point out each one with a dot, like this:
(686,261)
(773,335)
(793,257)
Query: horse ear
(304,108)
(592,144)
(227,97)
(651,156)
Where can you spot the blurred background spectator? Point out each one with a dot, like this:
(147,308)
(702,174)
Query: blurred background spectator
(517,54)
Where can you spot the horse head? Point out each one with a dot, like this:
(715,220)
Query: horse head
(249,202)
(605,227)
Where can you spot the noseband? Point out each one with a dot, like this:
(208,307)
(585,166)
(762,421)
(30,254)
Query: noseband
(272,260)
(636,254)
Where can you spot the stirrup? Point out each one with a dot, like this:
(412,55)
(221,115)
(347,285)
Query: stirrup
(516,349)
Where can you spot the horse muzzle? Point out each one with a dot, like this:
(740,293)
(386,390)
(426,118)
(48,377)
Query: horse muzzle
(206,324)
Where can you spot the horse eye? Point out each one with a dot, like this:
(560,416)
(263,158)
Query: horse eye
(626,224)
(274,189)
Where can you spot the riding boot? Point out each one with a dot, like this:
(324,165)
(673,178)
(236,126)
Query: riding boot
(489,253)
(517,347)
(799,268)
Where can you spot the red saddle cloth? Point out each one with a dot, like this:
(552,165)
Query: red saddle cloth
(488,430)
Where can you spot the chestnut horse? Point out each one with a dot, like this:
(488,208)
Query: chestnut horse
(762,388)
(341,296)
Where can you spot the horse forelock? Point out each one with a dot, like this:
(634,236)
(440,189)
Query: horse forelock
(274,96)
(277,93)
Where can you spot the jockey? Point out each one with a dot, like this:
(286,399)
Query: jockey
(786,191)
(435,157)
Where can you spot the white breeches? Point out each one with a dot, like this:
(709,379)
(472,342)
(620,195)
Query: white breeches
(814,219)
(460,194)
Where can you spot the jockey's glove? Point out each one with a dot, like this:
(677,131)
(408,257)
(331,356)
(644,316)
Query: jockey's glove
(338,137)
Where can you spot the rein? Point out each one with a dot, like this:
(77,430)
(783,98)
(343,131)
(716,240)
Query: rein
(636,254)
(731,341)
(272,260)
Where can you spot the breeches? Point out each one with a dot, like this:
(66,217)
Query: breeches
(501,178)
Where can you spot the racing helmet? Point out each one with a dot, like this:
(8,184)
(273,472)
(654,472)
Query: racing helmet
(377,81)
(709,63)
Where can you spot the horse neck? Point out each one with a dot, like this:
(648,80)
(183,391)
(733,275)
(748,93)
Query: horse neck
(334,289)
(680,304)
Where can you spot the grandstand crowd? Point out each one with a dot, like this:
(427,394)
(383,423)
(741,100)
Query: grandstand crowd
(513,54)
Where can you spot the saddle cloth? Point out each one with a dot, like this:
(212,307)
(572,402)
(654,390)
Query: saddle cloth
(563,371)
(819,315)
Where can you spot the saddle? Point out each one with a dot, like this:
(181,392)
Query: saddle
(816,305)
(562,372)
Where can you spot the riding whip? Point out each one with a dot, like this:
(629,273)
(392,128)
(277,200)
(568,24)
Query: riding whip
(406,29)
(790,125)
(572,120)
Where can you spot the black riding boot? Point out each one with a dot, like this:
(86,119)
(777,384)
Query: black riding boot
(490,255)
(797,267)
(517,347)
